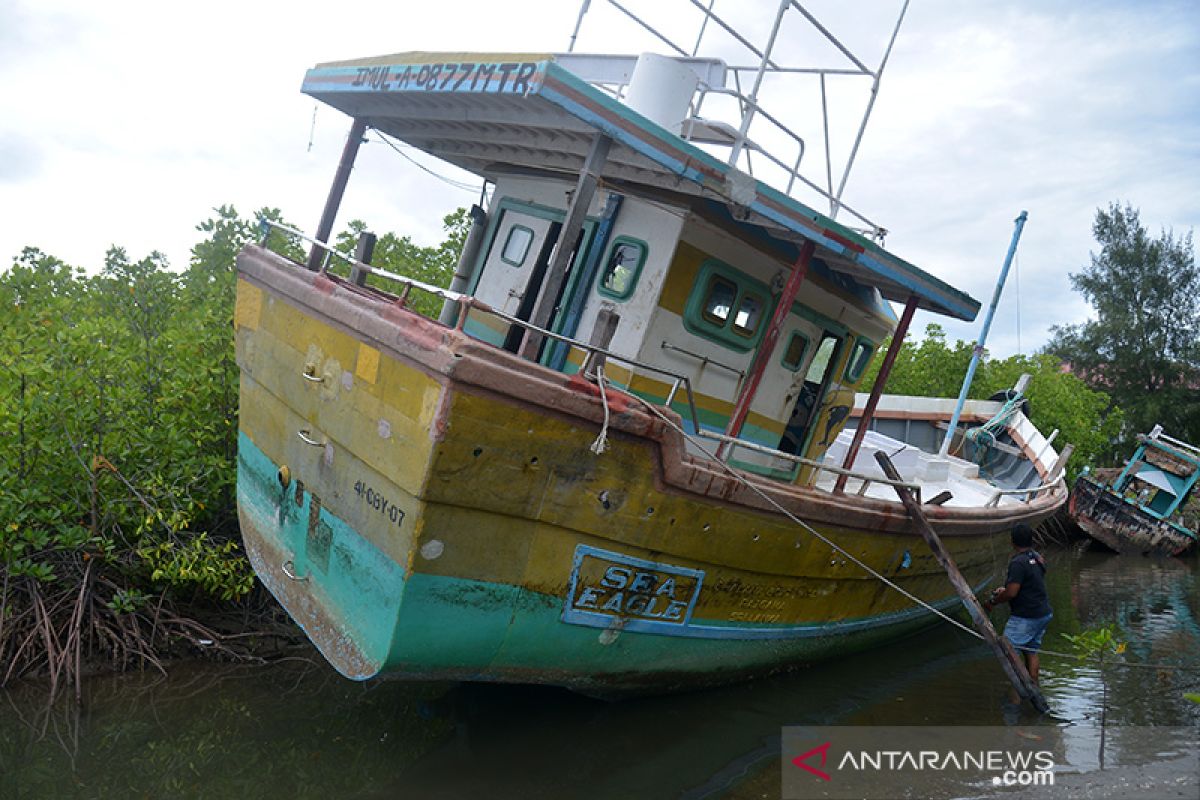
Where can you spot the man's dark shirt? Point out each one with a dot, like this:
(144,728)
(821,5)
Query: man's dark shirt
(1028,569)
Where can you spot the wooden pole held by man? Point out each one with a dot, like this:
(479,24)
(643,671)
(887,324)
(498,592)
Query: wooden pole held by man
(1013,667)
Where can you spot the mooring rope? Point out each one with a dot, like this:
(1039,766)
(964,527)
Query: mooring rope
(779,507)
(988,429)
(601,442)
(814,532)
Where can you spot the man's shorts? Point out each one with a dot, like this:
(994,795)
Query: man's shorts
(1026,633)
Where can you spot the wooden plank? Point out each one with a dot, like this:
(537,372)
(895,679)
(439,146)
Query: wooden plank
(1013,666)
(602,334)
(363,253)
(940,498)
(1060,464)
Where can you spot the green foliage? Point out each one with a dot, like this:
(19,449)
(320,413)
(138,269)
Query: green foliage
(929,368)
(217,568)
(127,601)
(1058,399)
(118,406)
(400,255)
(1143,346)
(1101,642)
(1083,416)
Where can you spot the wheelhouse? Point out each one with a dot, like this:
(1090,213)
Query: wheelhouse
(611,222)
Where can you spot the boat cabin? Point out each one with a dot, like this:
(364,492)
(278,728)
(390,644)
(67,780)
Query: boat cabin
(620,217)
(1161,475)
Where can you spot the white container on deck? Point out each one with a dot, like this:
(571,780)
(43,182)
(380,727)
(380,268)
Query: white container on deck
(661,90)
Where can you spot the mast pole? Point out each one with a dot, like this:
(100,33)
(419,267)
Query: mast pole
(564,251)
(983,334)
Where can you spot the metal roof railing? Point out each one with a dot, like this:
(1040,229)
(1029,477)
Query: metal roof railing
(770,63)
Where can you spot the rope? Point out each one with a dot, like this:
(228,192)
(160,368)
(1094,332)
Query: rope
(985,435)
(601,442)
(456,184)
(809,529)
(1078,657)
(776,505)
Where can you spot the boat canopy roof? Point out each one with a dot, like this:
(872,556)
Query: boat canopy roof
(518,113)
(1161,480)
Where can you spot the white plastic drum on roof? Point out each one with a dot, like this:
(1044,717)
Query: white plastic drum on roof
(661,90)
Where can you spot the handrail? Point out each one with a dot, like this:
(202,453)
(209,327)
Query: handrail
(467,302)
(792,171)
(818,466)
(1190,449)
(703,359)
(1031,491)
(749,108)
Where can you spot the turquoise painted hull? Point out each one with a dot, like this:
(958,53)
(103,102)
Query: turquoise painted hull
(369,615)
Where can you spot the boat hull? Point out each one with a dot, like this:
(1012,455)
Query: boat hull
(1121,526)
(428,506)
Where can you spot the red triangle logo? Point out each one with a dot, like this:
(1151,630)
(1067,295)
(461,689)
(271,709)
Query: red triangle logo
(824,751)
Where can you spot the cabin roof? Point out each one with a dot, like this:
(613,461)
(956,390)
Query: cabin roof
(496,114)
(1160,479)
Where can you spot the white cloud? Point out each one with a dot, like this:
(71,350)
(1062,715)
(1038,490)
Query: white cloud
(126,122)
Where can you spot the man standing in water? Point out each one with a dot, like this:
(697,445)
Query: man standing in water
(1024,590)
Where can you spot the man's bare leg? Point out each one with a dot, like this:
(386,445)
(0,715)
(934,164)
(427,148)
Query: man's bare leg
(1032,664)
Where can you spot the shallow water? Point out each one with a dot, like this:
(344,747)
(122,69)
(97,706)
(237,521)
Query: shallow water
(297,730)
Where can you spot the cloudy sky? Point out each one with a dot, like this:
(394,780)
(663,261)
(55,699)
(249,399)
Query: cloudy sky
(126,122)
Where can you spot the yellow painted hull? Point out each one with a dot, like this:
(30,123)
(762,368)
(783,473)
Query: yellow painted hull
(425,504)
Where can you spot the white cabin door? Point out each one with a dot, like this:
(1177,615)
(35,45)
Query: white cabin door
(514,266)
(520,241)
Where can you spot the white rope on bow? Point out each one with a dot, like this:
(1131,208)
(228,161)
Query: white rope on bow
(601,443)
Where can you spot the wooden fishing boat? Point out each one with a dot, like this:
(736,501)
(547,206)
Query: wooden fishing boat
(1141,510)
(620,460)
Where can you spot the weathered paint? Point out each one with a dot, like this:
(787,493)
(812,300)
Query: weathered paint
(367,616)
(1123,526)
(484,458)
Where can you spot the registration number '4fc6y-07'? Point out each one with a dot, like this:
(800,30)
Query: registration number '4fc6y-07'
(609,588)
(377,501)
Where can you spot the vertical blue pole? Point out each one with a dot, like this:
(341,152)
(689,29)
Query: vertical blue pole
(987,324)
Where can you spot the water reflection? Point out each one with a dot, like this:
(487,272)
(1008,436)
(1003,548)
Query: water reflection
(299,730)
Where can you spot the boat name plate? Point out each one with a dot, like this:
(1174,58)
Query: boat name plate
(614,590)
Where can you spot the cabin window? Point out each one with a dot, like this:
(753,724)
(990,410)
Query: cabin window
(745,323)
(816,369)
(516,246)
(793,355)
(860,357)
(719,300)
(622,269)
(727,306)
